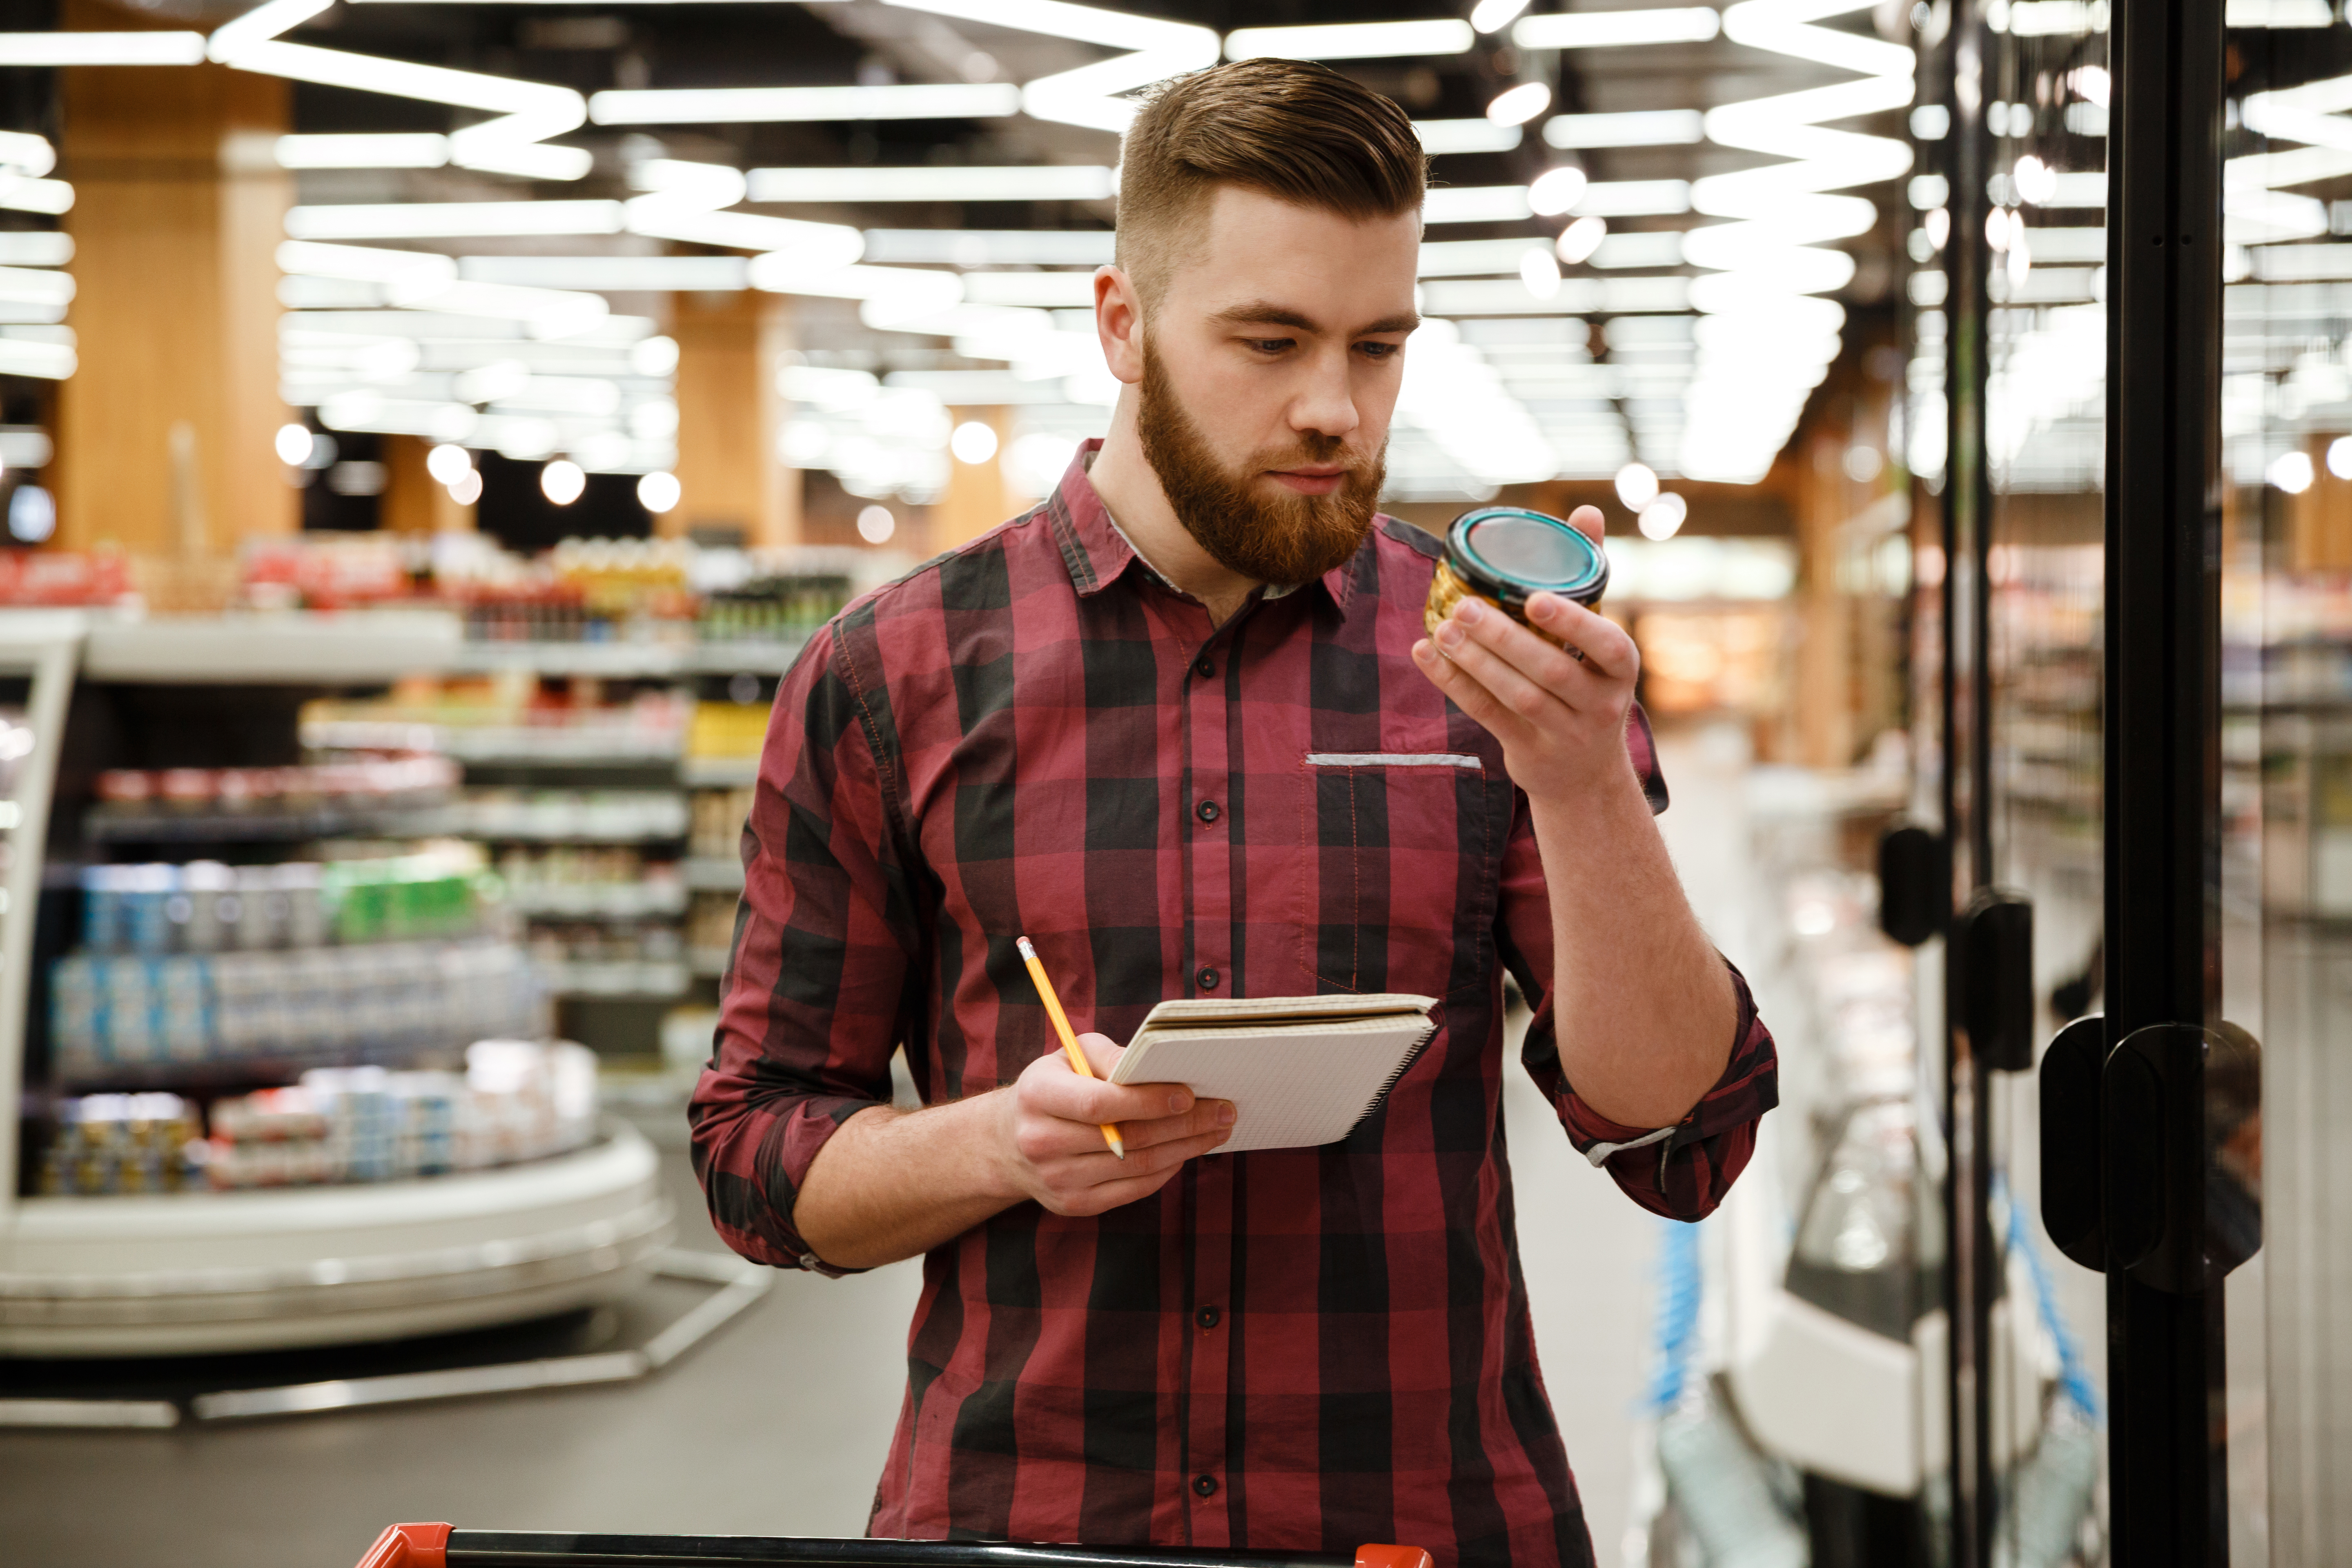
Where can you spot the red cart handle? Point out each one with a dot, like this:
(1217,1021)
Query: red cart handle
(413,1546)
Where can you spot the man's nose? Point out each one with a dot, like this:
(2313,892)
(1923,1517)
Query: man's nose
(1326,404)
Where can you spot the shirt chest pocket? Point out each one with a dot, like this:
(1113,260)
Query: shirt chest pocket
(1399,868)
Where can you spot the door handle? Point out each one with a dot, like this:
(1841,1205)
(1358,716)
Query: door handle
(1915,885)
(1995,977)
(2151,1153)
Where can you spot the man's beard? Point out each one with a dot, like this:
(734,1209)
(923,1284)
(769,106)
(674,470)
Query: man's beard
(1282,538)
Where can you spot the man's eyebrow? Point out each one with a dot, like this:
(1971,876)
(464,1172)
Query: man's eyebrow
(1263,312)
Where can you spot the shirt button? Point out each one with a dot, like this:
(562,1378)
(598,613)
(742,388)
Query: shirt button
(1206,811)
(1205,1485)
(1208,979)
(1206,667)
(1206,1317)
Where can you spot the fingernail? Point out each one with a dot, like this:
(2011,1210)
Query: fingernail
(1543,607)
(1179,1104)
(1468,611)
(1449,633)
(1225,1115)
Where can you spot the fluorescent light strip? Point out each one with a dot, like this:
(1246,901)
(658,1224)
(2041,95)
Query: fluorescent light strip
(1439,137)
(1043,290)
(1633,198)
(48,361)
(610,274)
(365,264)
(1634,128)
(53,197)
(1038,182)
(452,220)
(1475,258)
(1662,249)
(992,247)
(36,247)
(1476,204)
(1577,296)
(102,48)
(1061,19)
(396,150)
(28,285)
(775,105)
(1618,29)
(1351,40)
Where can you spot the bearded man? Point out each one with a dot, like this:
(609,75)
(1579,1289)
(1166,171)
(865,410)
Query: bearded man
(1180,725)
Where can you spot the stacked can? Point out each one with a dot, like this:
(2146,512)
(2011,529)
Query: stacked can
(109,1143)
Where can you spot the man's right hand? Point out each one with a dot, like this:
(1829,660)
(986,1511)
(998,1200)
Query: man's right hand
(1049,1131)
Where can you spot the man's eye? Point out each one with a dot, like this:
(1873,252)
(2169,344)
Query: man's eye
(1380,351)
(1269,345)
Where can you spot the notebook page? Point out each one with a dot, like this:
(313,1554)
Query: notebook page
(1291,1087)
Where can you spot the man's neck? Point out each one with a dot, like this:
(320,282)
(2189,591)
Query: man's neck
(1130,487)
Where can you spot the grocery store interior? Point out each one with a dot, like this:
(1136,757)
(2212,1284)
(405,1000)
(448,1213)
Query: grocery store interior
(430,429)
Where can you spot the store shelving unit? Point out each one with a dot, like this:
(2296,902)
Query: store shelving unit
(180,1272)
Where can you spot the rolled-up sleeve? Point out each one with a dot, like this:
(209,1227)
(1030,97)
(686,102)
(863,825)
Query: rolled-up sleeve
(818,992)
(1681,1172)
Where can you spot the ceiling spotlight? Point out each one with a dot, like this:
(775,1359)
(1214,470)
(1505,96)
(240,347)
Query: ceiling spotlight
(1494,15)
(468,488)
(1556,190)
(659,492)
(562,482)
(1580,239)
(1517,105)
(1540,272)
(876,525)
(2339,457)
(32,514)
(449,463)
(973,442)
(1663,517)
(1939,225)
(2292,472)
(1637,486)
(293,444)
(2036,181)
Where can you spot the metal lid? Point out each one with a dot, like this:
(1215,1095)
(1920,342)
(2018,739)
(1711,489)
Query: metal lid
(1511,554)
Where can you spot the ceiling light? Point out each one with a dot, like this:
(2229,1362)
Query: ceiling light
(610,274)
(1635,198)
(1540,272)
(29,286)
(293,444)
(2036,182)
(1631,128)
(1580,239)
(2291,472)
(1061,19)
(1351,40)
(904,289)
(102,48)
(1616,29)
(452,220)
(1439,137)
(992,248)
(659,492)
(1637,486)
(1470,257)
(36,247)
(367,264)
(468,488)
(654,356)
(1556,190)
(396,150)
(1036,183)
(876,524)
(1517,105)
(776,105)
(563,481)
(973,442)
(449,463)
(1040,290)
(1662,518)
(1494,15)
(1789,28)
(1475,204)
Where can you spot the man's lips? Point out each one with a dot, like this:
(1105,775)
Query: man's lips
(1313,479)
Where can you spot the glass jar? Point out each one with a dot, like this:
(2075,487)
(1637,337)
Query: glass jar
(1505,554)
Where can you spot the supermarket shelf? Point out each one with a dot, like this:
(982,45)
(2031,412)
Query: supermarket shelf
(656,980)
(600,900)
(289,649)
(746,657)
(707,960)
(718,773)
(190,1273)
(108,826)
(522,745)
(713,873)
(616,660)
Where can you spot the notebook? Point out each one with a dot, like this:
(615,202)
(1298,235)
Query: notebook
(1300,1071)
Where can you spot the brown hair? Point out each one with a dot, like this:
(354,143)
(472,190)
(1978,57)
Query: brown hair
(1296,130)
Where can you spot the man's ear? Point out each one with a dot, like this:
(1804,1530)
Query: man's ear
(1119,322)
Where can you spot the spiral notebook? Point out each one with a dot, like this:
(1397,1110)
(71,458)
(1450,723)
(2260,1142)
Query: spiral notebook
(1300,1071)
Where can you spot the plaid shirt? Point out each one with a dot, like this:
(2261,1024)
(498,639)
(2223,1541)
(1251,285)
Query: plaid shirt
(1291,1349)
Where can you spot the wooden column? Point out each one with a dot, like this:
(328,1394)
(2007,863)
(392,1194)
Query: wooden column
(978,499)
(730,348)
(414,501)
(1824,694)
(178,208)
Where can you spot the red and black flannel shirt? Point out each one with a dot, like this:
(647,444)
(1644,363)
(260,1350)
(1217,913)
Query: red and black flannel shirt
(1285,1350)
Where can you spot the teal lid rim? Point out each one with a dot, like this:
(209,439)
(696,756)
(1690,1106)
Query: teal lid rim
(1513,589)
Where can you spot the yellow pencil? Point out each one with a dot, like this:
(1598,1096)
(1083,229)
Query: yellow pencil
(1069,1041)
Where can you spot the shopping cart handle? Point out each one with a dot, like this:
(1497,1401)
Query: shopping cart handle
(438,1546)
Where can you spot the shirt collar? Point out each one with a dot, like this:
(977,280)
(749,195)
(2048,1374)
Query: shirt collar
(1097,552)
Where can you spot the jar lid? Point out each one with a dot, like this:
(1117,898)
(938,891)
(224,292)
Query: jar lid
(1512,553)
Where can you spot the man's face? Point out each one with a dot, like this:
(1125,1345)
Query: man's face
(1270,370)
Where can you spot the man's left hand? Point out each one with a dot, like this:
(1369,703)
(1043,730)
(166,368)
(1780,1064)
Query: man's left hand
(1560,719)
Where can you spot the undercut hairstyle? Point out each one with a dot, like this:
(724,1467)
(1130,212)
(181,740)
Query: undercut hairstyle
(1297,132)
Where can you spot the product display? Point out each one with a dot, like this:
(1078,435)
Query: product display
(105,1143)
(208,907)
(590,880)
